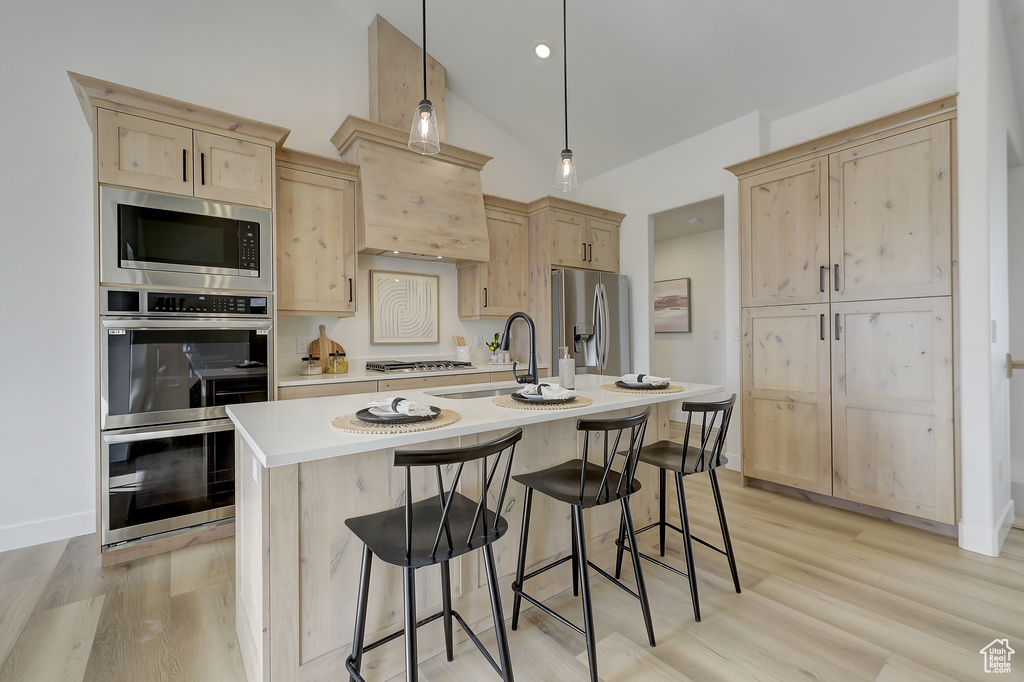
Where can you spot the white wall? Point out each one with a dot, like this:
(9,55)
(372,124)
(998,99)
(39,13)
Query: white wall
(986,121)
(300,64)
(696,355)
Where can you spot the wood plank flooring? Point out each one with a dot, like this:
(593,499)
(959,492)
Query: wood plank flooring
(827,595)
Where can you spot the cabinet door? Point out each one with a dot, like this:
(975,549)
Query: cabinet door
(786,410)
(784,235)
(567,240)
(507,273)
(234,171)
(892,216)
(602,245)
(316,258)
(139,152)
(892,405)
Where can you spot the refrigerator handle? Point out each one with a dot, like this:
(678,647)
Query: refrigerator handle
(605,321)
(598,327)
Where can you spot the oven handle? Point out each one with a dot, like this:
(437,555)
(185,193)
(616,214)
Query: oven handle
(180,323)
(171,431)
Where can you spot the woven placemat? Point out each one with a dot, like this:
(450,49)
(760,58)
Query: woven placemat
(506,401)
(672,388)
(349,423)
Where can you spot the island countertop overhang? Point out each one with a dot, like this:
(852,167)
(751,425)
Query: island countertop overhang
(293,431)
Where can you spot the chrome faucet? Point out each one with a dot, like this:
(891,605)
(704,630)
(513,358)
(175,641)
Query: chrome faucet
(531,377)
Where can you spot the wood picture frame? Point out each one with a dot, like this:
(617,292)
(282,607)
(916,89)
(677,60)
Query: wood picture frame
(403,308)
(672,305)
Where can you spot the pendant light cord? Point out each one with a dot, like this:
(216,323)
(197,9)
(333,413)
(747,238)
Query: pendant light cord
(425,54)
(565,75)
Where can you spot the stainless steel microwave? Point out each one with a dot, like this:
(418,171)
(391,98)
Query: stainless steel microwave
(155,239)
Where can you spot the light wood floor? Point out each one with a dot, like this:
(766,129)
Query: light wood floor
(827,595)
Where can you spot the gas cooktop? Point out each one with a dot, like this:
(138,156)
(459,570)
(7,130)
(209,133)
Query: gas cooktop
(407,367)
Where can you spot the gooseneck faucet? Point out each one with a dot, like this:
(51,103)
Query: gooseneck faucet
(531,377)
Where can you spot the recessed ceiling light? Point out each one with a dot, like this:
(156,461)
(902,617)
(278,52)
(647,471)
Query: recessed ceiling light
(394,252)
(694,220)
(542,50)
(439,257)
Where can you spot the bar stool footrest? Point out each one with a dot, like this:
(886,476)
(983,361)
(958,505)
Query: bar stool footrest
(350,663)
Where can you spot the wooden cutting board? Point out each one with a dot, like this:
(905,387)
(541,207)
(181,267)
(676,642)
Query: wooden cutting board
(323,346)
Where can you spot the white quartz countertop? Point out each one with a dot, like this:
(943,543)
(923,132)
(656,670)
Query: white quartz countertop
(291,431)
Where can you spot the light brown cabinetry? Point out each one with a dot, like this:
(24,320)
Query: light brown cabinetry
(316,254)
(144,153)
(580,241)
(847,373)
(499,287)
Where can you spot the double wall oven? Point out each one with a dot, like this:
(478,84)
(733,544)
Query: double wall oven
(173,356)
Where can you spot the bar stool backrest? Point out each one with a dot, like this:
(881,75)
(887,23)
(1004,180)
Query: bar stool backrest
(713,415)
(502,448)
(611,432)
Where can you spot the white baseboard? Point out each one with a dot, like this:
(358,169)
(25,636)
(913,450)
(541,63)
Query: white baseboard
(47,530)
(987,541)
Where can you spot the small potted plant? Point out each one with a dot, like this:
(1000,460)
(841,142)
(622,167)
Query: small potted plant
(493,346)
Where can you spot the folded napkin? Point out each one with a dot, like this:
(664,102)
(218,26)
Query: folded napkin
(548,392)
(644,379)
(402,406)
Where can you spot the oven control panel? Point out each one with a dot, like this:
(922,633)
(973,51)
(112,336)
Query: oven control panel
(215,304)
(176,303)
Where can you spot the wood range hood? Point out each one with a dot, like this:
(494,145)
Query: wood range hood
(428,207)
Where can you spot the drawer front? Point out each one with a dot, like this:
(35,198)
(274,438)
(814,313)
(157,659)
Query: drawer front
(321,390)
(418,383)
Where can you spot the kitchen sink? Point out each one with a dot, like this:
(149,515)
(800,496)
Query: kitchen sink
(462,393)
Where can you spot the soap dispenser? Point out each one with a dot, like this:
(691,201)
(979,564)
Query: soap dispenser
(566,369)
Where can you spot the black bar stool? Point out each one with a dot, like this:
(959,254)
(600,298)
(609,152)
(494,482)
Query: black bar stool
(687,460)
(432,531)
(584,484)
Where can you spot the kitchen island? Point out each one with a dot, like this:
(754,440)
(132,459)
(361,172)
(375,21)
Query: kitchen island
(297,480)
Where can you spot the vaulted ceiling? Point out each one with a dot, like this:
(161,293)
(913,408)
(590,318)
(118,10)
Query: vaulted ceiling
(646,74)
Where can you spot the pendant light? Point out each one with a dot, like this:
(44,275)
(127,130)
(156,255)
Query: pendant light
(565,177)
(423,137)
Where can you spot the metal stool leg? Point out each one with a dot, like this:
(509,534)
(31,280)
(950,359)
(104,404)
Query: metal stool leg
(575,563)
(517,599)
(641,586)
(621,548)
(496,613)
(725,529)
(661,509)
(687,546)
(588,609)
(411,656)
(446,608)
(356,658)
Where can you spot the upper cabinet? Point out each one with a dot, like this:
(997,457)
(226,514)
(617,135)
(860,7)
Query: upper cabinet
(316,255)
(577,235)
(150,142)
(499,287)
(866,222)
(153,155)
(891,217)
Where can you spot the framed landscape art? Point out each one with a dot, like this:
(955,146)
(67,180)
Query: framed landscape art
(672,305)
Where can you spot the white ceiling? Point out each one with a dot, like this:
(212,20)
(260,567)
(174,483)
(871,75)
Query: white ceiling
(702,216)
(649,73)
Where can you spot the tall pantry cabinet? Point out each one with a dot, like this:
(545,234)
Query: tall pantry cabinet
(846,286)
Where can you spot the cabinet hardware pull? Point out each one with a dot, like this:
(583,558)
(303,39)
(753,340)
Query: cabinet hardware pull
(583,258)
(821,279)
(590,250)
(821,326)
(349,289)
(202,168)
(837,326)
(836,273)
(485,297)
(184,165)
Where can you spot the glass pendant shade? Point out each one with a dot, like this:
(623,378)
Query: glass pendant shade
(423,137)
(565,176)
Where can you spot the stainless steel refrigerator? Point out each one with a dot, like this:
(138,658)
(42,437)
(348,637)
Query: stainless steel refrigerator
(590,315)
